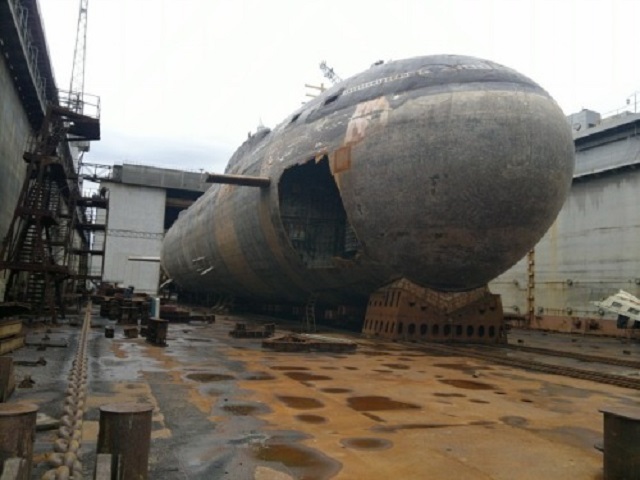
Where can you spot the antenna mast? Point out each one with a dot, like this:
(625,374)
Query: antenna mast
(329,73)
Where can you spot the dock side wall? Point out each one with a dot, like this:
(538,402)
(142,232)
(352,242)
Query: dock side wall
(590,252)
(14,133)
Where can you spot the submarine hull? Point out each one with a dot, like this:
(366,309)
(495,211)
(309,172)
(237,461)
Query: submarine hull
(444,170)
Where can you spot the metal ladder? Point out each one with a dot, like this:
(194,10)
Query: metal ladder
(309,322)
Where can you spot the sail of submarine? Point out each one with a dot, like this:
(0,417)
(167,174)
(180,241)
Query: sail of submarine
(444,170)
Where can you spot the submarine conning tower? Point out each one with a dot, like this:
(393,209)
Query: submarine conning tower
(442,170)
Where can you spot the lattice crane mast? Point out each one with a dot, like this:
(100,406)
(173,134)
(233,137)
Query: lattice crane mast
(329,73)
(76,87)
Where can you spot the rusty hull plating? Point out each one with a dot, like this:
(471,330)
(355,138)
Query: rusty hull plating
(444,170)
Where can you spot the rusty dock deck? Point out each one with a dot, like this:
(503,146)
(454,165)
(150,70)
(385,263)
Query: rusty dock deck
(227,408)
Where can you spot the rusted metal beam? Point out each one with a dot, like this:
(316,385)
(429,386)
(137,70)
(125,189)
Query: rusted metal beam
(244,180)
(125,433)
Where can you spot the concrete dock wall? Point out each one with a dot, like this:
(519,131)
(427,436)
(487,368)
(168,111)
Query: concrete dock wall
(14,133)
(592,249)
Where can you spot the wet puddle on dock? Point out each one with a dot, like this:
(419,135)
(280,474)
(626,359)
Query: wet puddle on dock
(367,443)
(300,403)
(375,403)
(396,366)
(240,410)
(259,376)
(427,426)
(209,377)
(373,417)
(514,421)
(467,384)
(461,367)
(335,390)
(288,368)
(313,419)
(304,462)
(306,377)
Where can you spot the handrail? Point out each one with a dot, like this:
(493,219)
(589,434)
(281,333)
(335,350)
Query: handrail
(20,18)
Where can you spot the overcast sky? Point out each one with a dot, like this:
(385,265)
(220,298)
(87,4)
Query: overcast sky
(183,81)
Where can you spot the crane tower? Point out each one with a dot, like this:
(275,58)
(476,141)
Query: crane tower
(76,87)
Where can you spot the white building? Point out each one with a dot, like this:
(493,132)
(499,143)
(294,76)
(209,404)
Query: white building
(143,203)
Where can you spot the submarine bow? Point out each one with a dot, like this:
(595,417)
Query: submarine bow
(444,170)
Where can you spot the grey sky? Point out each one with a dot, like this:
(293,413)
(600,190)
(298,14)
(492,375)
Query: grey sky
(183,81)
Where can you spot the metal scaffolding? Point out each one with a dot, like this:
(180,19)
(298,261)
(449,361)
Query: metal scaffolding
(42,253)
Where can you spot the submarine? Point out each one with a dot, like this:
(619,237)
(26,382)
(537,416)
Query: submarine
(443,170)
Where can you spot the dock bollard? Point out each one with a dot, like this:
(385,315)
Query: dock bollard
(621,443)
(17,432)
(109,331)
(125,433)
(7,380)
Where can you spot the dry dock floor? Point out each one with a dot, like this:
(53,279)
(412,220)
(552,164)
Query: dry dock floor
(224,408)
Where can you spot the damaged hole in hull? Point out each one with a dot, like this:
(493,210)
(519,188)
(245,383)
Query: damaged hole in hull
(314,217)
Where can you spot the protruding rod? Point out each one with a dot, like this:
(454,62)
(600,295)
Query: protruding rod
(144,259)
(244,180)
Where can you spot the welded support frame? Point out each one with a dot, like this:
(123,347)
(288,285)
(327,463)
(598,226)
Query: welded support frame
(531,287)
